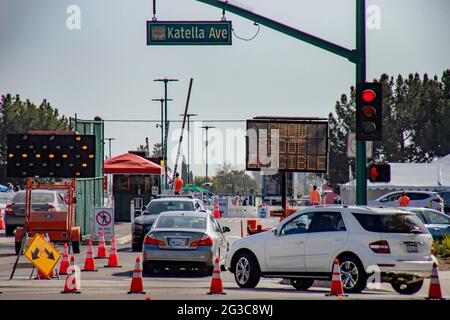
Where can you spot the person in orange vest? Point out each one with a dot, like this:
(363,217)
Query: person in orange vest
(178,184)
(314,197)
(404,200)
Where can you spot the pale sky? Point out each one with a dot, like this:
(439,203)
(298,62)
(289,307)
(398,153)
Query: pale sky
(106,69)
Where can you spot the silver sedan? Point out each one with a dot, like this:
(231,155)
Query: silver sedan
(184,240)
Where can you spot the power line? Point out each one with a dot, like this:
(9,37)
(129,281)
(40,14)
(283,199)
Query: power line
(158,121)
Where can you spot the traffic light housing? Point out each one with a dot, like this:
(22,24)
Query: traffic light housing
(369,111)
(50,155)
(379,173)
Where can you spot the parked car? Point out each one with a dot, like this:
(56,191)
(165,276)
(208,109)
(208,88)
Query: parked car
(41,200)
(304,246)
(143,223)
(437,223)
(445,195)
(184,240)
(417,199)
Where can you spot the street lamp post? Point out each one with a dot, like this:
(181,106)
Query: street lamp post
(207,128)
(109,140)
(161,100)
(166,127)
(189,115)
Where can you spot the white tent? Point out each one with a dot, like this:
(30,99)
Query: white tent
(434,176)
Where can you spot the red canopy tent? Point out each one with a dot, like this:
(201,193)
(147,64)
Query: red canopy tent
(130,163)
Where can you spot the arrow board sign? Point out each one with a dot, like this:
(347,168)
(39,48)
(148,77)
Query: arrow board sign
(42,254)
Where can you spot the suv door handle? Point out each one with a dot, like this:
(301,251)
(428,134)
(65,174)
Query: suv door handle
(299,242)
(339,239)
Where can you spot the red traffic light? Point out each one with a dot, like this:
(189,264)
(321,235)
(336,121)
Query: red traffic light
(374,173)
(368,96)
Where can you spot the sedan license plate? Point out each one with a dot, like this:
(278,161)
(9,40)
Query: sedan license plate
(412,248)
(177,242)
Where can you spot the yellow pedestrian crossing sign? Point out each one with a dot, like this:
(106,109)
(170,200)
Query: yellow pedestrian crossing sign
(42,254)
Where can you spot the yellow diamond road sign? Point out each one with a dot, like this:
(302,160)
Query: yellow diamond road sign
(42,254)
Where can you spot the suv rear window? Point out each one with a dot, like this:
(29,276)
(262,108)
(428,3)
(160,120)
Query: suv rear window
(390,223)
(156,207)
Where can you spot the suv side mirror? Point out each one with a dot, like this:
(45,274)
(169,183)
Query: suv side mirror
(225,229)
(275,231)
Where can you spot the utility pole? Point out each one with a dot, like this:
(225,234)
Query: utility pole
(166,127)
(161,100)
(109,140)
(207,128)
(189,115)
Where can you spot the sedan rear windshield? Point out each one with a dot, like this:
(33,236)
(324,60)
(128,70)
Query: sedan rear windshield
(157,207)
(391,223)
(36,197)
(182,222)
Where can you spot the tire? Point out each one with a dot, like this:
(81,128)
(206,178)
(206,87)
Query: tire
(353,275)
(76,247)
(408,289)
(136,247)
(246,270)
(17,247)
(148,269)
(9,230)
(302,284)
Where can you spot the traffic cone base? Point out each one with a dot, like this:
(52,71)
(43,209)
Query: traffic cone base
(435,292)
(216,281)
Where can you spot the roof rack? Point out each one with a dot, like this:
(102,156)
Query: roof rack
(160,196)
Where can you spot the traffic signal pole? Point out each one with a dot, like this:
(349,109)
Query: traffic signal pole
(357,56)
(361,158)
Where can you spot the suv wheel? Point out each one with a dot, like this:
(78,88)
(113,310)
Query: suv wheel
(353,275)
(302,284)
(246,271)
(407,288)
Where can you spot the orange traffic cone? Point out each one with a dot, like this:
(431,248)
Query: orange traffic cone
(65,261)
(337,288)
(216,281)
(2,222)
(72,284)
(137,284)
(217,211)
(101,250)
(435,293)
(113,261)
(89,263)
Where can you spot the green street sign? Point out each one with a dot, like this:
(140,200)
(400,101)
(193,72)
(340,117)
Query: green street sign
(188,33)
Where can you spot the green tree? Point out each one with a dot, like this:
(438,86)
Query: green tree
(416,123)
(17,116)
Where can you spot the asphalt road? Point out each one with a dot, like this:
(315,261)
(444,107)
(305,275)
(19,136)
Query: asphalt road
(114,283)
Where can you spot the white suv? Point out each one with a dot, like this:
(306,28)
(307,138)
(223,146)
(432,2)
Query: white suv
(303,247)
(426,199)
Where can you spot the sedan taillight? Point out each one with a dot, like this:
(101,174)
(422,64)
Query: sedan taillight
(150,240)
(205,241)
(381,246)
(9,210)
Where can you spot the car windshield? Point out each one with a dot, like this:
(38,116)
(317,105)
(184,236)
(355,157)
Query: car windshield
(156,207)
(391,223)
(435,217)
(181,222)
(36,197)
